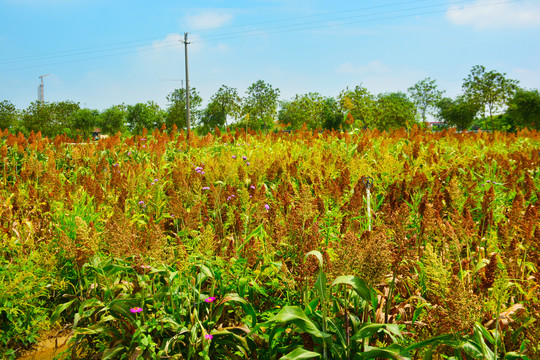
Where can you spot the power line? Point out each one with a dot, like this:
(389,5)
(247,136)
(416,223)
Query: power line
(111,50)
(342,21)
(115,46)
(222,28)
(92,49)
(148,48)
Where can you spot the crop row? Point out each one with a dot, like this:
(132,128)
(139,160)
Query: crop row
(447,256)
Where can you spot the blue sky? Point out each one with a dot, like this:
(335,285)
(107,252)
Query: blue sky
(102,53)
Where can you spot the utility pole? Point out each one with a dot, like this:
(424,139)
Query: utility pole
(187,86)
(41,96)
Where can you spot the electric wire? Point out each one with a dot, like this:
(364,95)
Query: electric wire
(114,46)
(149,48)
(112,50)
(295,18)
(77,51)
(339,21)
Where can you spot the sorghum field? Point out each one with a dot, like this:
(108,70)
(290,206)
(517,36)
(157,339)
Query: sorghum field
(258,246)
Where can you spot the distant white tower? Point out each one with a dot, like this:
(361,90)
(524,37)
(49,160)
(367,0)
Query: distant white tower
(41,96)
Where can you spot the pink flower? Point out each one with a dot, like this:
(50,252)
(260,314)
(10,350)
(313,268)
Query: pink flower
(206,188)
(136,310)
(210,299)
(267,207)
(208,337)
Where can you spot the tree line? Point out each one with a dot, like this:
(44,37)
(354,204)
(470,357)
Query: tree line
(489,100)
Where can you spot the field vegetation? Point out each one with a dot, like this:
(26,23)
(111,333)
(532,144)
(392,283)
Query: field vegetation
(244,245)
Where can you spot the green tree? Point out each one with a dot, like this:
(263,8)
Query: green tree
(304,109)
(147,115)
(393,111)
(524,109)
(459,112)
(176,111)
(227,102)
(332,116)
(113,119)
(260,105)
(50,118)
(83,121)
(490,89)
(425,96)
(8,115)
(211,117)
(223,104)
(360,104)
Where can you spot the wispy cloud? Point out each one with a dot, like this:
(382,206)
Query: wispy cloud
(530,78)
(375,66)
(378,76)
(172,44)
(489,14)
(208,20)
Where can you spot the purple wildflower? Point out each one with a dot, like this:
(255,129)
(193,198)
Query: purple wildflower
(234,156)
(247,163)
(267,207)
(206,188)
(244,157)
(208,337)
(210,299)
(136,310)
(252,187)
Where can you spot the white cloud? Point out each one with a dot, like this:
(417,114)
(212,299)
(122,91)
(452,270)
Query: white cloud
(375,66)
(528,78)
(491,14)
(172,43)
(208,20)
(379,77)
